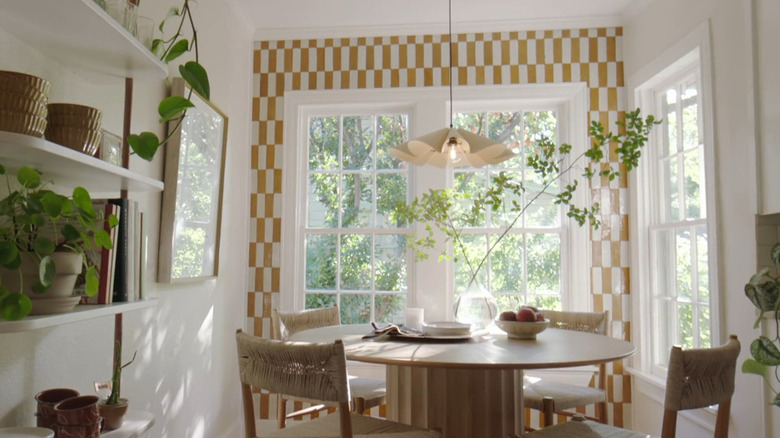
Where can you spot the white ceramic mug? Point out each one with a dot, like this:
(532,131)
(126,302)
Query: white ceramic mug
(414,317)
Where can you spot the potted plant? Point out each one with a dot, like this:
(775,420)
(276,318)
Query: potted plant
(114,408)
(174,108)
(763,290)
(449,210)
(41,232)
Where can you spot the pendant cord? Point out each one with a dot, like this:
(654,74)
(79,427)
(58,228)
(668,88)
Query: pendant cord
(450,60)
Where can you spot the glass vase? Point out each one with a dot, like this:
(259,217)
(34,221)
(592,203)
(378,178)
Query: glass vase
(476,306)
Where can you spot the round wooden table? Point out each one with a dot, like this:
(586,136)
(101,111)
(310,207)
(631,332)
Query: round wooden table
(467,389)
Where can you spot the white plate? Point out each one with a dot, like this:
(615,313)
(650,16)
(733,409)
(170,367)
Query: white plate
(446,328)
(26,432)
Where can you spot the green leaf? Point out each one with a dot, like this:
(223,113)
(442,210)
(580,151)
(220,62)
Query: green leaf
(43,245)
(197,78)
(83,201)
(2,169)
(113,221)
(751,366)
(173,106)
(144,145)
(765,351)
(52,204)
(71,233)
(15,306)
(91,281)
(775,254)
(39,288)
(8,253)
(764,295)
(46,271)
(28,177)
(172,12)
(177,50)
(102,238)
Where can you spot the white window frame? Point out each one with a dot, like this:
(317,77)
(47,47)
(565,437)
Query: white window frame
(428,111)
(692,52)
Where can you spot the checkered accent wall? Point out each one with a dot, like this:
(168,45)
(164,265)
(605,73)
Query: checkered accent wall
(593,56)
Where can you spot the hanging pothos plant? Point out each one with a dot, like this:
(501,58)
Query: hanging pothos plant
(450,211)
(174,108)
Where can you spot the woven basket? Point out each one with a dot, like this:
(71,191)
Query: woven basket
(24,84)
(20,103)
(82,140)
(22,123)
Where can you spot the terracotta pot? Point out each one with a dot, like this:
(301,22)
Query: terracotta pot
(113,415)
(47,399)
(78,431)
(78,411)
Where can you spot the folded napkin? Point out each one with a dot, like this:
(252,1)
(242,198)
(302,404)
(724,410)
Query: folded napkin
(392,330)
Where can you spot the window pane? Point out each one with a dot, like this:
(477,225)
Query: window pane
(358,143)
(507,128)
(690,116)
(551,302)
(321,262)
(684,264)
(357,200)
(391,189)
(671,199)
(356,262)
(508,301)
(664,329)
(539,126)
(476,248)
(544,263)
(323,201)
(506,265)
(390,263)
(664,279)
(389,308)
(355,308)
(670,121)
(702,254)
(390,131)
(543,212)
(471,184)
(469,121)
(685,325)
(316,301)
(505,215)
(695,204)
(323,143)
(705,336)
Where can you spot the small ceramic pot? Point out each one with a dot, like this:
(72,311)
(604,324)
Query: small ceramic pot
(78,411)
(47,399)
(113,415)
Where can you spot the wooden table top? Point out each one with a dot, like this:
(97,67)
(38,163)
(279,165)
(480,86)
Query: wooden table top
(553,348)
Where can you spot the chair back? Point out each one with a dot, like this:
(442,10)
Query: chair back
(285,324)
(698,378)
(309,370)
(593,322)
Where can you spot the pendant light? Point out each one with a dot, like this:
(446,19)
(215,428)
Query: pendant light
(450,147)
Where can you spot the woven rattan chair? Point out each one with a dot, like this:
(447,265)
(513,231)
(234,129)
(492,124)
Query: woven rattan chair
(696,378)
(312,371)
(553,397)
(366,393)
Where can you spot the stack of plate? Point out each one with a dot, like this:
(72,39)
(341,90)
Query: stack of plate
(74,126)
(23,101)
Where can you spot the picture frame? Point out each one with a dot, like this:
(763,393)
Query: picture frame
(111,148)
(194,176)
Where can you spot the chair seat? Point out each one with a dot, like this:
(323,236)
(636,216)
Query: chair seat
(584,429)
(566,396)
(362,426)
(372,391)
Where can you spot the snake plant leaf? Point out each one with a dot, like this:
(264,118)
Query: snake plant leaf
(171,107)
(197,78)
(177,50)
(46,271)
(752,366)
(765,351)
(28,177)
(8,253)
(15,306)
(144,144)
(43,245)
(91,281)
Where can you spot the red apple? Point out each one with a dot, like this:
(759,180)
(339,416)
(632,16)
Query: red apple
(526,315)
(507,316)
(539,317)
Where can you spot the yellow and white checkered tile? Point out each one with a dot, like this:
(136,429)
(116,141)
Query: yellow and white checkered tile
(593,56)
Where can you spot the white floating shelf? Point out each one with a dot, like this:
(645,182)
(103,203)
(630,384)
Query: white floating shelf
(136,423)
(70,168)
(81,312)
(79,33)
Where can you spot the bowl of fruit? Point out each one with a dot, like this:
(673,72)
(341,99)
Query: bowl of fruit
(526,323)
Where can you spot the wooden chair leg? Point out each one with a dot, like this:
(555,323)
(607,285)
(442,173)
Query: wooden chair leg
(722,420)
(281,411)
(669,428)
(358,405)
(548,406)
(601,412)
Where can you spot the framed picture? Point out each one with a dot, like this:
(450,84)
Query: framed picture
(192,198)
(111,148)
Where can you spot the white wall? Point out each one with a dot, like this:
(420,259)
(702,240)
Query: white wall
(647,35)
(186,372)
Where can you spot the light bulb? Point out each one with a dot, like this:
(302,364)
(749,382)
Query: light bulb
(453,150)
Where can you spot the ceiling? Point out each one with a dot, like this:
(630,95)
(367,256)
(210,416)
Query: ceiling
(320,18)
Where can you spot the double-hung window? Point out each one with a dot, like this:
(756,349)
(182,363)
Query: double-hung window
(339,244)
(678,291)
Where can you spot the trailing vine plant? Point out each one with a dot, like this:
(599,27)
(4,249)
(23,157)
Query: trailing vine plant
(445,209)
(174,108)
(763,291)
